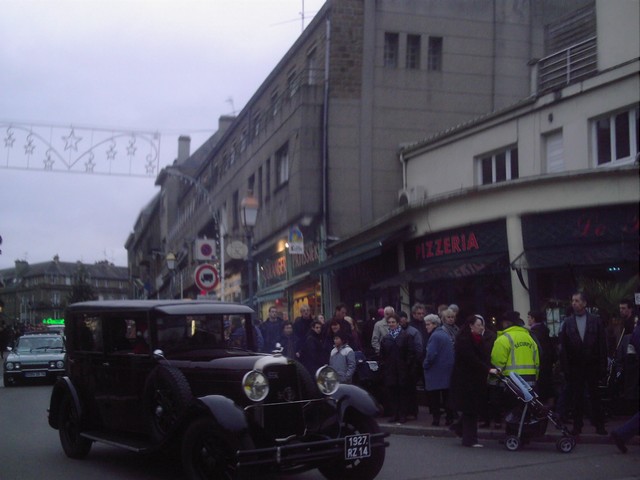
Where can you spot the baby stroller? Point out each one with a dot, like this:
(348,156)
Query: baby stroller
(530,419)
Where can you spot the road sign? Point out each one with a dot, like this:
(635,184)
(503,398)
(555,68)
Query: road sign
(206,277)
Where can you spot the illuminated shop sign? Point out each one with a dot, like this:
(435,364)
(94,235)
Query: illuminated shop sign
(470,241)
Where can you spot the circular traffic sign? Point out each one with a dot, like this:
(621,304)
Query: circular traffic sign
(206,277)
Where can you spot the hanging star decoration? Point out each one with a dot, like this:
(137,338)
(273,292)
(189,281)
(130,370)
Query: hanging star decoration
(9,139)
(111,153)
(71,141)
(90,164)
(29,147)
(150,167)
(48,161)
(131,149)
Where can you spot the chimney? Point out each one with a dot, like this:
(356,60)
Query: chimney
(224,122)
(184,148)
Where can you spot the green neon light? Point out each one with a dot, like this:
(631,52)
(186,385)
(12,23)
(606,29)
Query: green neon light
(53,321)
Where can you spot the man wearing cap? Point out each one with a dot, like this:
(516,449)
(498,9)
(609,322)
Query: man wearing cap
(515,350)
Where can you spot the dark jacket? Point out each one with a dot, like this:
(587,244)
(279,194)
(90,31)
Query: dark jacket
(397,357)
(312,354)
(586,357)
(548,358)
(470,370)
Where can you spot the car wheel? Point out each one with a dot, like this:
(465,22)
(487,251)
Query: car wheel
(363,468)
(69,428)
(167,395)
(206,454)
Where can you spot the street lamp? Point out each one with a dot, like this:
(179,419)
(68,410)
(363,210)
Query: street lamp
(171,265)
(248,216)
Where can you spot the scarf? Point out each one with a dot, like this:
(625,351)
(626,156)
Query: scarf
(452,330)
(395,332)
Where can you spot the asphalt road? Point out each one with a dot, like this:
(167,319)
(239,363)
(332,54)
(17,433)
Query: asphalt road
(30,449)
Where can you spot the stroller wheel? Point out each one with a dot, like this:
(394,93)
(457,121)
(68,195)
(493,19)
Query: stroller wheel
(512,443)
(565,444)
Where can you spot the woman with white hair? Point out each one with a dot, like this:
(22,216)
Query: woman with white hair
(438,365)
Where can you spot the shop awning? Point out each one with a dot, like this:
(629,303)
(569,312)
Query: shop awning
(277,291)
(576,255)
(362,252)
(463,267)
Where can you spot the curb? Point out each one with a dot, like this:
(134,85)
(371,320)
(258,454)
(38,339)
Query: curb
(414,429)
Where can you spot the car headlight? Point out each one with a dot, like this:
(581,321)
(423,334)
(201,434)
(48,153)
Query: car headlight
(9,366)
(255,385)
(59,364)
(327,380)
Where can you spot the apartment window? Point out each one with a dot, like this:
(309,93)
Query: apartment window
(617,137)
(499,167)
(236,210)
(312,66)
(275,103)
(267,179)
(554,149)
(391,41)
(260,191)
(243,140)
(282,164)
(292,82)
(251,184)
(233,153)
(257,124)
(435,54)
(413,52)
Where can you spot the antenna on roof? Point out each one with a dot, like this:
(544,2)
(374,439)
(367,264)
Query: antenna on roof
(229,100)
(302,16)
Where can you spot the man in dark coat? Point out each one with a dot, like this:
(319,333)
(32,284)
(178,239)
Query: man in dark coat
(583,356)
(312,354)
(397,357)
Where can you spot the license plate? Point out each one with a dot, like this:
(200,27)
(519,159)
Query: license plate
(357,446)
(35,374)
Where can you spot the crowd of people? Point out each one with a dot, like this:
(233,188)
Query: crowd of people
(457,360)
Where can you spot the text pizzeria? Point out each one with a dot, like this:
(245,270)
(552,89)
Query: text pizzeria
(449,245)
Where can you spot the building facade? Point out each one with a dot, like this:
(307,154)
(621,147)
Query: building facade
(519,207)
(317,146)
(32,294)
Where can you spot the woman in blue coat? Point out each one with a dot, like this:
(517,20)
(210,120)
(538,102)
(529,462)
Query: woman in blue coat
(438,365)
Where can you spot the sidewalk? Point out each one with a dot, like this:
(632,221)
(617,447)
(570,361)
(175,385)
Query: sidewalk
(422,427)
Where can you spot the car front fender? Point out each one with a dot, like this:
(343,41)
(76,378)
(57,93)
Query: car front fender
(62,387)
(351,396)
(226,413)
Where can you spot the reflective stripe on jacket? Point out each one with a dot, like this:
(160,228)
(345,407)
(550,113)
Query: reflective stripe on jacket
(515,350)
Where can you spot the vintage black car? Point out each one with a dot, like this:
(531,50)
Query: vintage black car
(185,376)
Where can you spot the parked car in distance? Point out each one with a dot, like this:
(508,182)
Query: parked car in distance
(185,376)
(34,357)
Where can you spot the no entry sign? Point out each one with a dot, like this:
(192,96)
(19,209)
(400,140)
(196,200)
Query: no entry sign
(206,277)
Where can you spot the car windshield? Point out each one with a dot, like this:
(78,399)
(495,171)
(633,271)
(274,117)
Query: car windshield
(34,344)
(202,332)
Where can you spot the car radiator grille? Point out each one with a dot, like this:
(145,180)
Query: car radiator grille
(34,366)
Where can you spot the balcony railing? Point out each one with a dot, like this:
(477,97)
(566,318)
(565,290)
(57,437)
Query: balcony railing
(568,66)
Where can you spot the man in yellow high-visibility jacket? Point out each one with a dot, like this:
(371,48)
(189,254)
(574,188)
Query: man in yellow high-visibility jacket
(515,350)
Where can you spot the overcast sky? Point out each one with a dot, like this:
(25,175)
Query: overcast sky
(98,66)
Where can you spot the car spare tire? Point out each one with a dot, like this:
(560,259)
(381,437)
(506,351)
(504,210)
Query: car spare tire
(167,395)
